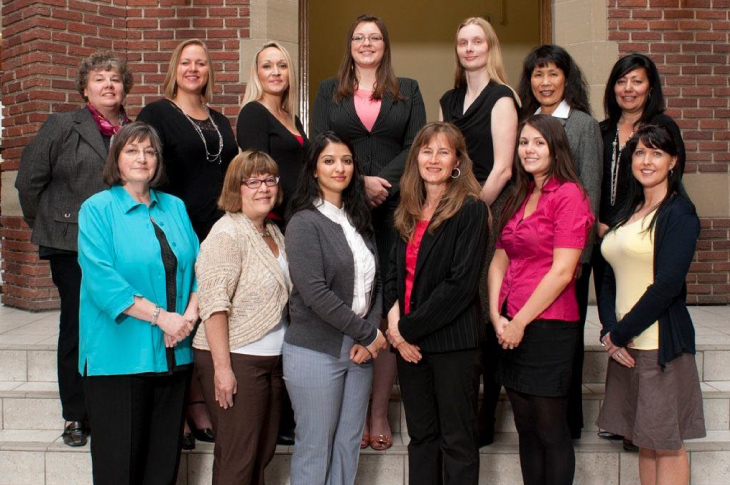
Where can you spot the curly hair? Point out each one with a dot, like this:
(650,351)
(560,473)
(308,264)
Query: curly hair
(103,61)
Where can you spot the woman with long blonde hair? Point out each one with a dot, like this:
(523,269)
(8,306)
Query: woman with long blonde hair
(268,120)
(484,108)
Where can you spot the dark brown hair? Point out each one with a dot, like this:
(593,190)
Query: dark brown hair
(413,190)
(137,131)
(103,61)
(562,167)
(386,81)
(242,167)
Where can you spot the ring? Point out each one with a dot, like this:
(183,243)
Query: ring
(620,355)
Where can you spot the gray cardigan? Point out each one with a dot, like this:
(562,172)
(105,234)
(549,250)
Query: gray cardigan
(321,267)
(59,169)
(586,147)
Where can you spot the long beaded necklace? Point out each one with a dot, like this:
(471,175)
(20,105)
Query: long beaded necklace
(615,156)
(209,156)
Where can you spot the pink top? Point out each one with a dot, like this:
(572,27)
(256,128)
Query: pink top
(562,219)
(411,259)
(299,138)
(367,109)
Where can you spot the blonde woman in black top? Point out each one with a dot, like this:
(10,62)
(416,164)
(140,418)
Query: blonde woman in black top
(197,147)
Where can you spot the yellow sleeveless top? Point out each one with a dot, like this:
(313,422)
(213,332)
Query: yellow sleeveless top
(630,252)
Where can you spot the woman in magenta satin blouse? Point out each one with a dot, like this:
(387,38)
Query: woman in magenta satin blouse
(532,299)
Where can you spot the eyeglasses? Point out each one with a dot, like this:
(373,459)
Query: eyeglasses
(373,38)
(134,152)
(256,183)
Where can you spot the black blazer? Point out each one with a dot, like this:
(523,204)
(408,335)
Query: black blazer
(445,313)
(59,169)
(675,239)
(381,152)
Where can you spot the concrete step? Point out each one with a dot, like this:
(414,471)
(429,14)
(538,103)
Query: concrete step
(36,406)
(30,457)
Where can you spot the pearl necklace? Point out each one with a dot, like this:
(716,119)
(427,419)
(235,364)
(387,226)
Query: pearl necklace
(615,156)
(212,158)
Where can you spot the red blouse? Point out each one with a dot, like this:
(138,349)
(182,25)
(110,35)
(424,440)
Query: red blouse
(562,219)
(411,259)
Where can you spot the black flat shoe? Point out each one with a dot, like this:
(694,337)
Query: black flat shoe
(630,446)
(206,435)
(75,434)
(285,438)
(607,435)
(188,441)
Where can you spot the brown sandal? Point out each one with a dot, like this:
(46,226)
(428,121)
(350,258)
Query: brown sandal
(364,441)
(381,442)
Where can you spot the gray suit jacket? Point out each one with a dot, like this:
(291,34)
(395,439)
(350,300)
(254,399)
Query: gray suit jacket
(59,169)
(322,272)
(586,146)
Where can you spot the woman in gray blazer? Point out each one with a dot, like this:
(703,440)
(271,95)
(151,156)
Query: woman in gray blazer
(59,169)
(380,114)
(552,83)
(335,311)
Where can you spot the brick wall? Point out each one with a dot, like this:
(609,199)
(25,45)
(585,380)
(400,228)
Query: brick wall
(44,40)
(689,41)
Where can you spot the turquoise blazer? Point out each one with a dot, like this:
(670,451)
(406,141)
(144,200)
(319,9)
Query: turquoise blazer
(120,258)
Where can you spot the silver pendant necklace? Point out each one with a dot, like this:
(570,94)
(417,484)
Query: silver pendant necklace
(211,158)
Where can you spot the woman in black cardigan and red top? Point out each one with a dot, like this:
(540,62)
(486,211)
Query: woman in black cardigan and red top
(268,120)
(435,321)
(652,388)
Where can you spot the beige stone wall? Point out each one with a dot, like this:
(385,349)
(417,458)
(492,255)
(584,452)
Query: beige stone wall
(581,26)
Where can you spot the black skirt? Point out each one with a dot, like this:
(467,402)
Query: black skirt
(542,364)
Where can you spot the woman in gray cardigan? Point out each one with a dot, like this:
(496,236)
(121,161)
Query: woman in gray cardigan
(335,310)
(552,83)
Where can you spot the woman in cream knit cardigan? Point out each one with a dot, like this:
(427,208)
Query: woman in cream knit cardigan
(243,289)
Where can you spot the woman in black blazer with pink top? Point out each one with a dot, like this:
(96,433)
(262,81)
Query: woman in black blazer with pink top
(434,318)
(380,115)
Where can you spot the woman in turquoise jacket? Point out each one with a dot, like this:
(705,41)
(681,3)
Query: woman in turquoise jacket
(137,253)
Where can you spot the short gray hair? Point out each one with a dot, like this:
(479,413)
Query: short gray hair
(103,61)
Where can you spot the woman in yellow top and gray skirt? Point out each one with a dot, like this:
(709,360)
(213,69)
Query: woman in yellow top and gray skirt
(652,388)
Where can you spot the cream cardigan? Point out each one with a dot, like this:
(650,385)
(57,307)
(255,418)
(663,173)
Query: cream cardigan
(238,274)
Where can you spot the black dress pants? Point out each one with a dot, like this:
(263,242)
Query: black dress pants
(440,400)
(66,275)
(575,398)
(137,427)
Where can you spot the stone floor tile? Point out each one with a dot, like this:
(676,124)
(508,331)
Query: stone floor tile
(629,472)
(22,468)
(716,365)
(68,468)
(13,365)
(710,468)
(596,468)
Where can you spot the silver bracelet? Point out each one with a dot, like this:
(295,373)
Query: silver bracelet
(155,314)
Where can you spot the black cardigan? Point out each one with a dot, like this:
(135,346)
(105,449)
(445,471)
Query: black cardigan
(258,129)
(675,239)
(445,313)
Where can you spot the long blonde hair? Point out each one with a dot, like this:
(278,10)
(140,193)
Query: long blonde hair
(254,90)
(495,64)
(169,85)
(413,190)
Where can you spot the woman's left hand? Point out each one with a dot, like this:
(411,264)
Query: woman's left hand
(410,353)
(619,354)
(394,336)
(359,354)
(511,335)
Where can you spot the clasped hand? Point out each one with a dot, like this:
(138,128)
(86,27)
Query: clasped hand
(409,352)
(619,354)
(509,333)
(176,327)
(360,354)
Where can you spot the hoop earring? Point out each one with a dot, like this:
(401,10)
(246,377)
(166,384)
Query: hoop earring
(458,173)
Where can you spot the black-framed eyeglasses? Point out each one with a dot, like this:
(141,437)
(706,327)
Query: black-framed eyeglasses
(373,38)
(256,183)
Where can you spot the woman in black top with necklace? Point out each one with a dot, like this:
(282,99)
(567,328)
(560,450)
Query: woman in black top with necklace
(197,141)
(633,98)
(197,147)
